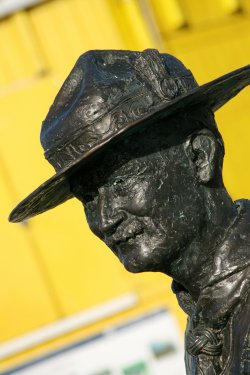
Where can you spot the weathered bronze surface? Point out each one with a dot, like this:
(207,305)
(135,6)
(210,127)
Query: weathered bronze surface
(133,137)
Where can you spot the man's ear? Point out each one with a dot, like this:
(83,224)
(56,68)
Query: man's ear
(204,149)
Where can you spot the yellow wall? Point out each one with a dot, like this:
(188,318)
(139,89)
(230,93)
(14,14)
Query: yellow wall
(52,266)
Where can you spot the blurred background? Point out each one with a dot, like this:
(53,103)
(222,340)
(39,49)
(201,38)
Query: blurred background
(67,305)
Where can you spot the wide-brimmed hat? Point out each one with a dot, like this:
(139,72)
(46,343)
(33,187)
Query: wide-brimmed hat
(108,95)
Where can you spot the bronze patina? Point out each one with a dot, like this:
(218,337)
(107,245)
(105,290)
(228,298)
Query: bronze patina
(133,137)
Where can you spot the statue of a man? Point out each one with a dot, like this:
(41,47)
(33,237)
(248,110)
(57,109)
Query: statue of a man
(133,137)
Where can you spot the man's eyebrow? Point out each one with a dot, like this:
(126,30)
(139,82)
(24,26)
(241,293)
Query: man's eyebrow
(142,170)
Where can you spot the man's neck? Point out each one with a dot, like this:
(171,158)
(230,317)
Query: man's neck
(194,267)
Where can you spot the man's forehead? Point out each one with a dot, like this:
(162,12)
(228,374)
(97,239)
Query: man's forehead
(108,167)
(119,164)
(130,156)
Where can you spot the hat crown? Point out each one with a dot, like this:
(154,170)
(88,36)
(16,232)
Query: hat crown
(104,92)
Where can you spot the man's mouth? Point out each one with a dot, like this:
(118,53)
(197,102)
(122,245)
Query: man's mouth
(125,233)
(127,237)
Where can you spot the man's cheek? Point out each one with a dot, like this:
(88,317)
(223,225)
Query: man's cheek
(140,202)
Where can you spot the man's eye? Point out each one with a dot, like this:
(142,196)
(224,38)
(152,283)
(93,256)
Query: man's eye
(118,181)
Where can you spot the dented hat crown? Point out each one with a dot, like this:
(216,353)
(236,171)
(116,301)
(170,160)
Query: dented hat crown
(105,91)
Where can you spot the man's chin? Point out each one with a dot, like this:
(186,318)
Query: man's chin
(132,267)
(137,265)
(138,258)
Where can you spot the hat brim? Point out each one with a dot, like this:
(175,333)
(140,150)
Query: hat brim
(56,190)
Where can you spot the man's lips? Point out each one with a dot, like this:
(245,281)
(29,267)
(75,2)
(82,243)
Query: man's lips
(125,232)
(126,237)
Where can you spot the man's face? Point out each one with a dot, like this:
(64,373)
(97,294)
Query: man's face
(146,205)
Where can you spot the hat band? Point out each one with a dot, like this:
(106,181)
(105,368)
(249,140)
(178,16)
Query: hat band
(91,136)
(107,125)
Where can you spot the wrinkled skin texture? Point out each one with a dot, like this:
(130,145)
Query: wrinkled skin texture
(135,202)
(140,209)
(148,202)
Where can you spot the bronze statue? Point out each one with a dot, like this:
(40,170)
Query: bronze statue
(133,137)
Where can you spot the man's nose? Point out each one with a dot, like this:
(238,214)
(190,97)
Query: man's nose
(110,216)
